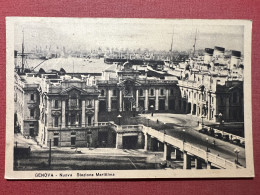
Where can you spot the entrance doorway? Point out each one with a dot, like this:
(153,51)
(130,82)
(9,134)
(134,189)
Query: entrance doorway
(32,132)
(189,108)
(129,142)
(151,102)
(161,104)
(172,104)
(194,109)
(56,141)
(127,105)
(102,139)
(141,105)
(102,106)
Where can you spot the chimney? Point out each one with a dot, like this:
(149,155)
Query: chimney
(235,59)
(208,55)
(219,51)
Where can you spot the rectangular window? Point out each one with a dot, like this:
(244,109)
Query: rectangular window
(152,92)
(56,103)
(32,113)
(141,92)
(56,121)
(73,102)
(32,97)
(80,103)
(114,92)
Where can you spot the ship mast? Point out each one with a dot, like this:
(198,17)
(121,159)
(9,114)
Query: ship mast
(194,46)
(172,39)
(171,49)
(23,55)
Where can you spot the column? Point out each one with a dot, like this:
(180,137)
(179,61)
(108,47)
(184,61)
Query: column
(209,106)
(192,97)
(167,100)
(96,112)
(146,100)
(109,101)
(69,119)
(214,108)
(209,165)
(119,141)
(137,100)
(227,107)
(49,118)
(83,114)
(156,99)
(186,161)
(198,163)
(139,141)
(167,152)
(120,100)
(77,119)
(63,122)
(201,104)
(145,141)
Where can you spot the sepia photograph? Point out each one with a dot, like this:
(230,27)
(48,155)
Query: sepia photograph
(91,98)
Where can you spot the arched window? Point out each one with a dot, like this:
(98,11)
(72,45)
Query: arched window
(162,92)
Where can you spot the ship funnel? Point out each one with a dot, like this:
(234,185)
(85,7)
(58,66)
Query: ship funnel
(218,51)
(235,59)
(208,55)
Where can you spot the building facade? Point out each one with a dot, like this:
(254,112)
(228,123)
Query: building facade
(64,109)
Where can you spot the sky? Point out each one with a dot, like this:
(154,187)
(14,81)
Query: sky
(87,34)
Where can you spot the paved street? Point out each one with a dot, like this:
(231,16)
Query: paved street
(67,158)
(176,123)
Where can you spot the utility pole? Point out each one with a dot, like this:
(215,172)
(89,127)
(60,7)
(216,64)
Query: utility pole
(50,154)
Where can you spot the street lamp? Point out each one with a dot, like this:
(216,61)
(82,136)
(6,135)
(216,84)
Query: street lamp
(236,150)
(220,123)
(183,135)
(152,109)
(119,119)
(207,139)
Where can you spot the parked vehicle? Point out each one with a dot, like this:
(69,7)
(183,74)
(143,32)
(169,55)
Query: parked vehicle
(204,130)
(211,132)
(226,137)
(236,141)
(218,135)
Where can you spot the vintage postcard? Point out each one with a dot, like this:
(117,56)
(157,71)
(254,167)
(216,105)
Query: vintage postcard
(91,98)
